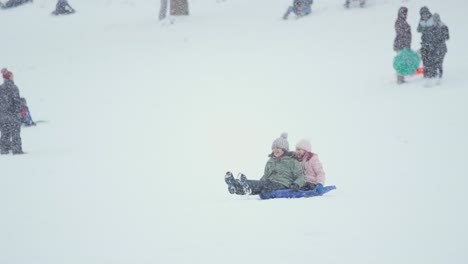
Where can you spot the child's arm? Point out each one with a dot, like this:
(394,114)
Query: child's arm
(318,169)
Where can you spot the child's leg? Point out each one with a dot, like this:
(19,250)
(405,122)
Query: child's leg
(440,65)
(400,79)
(259,187)
(5,139)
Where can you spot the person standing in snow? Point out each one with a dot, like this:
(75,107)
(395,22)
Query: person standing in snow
(300,8)
(63,8)
(313,170)
(403,36)
(428,43)
(282,171)
(10,107)
(441,32)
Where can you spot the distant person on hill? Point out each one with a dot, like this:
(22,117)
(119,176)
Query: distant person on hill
(362,3)
(14,3)
(10,107)
(441,35)
(281,172)
(300,8)
(63,8)
(26,118)
(313,170)
(403,36)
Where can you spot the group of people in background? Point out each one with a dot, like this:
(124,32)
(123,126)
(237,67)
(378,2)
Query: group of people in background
(61,8)
(294,170)
(304,7)
(433,41)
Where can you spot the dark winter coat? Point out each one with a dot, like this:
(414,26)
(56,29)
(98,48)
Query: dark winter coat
(10,102)
(426,27)
(403,31)
(441,35)
(284,170)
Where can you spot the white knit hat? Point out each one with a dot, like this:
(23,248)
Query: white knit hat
(305,145)
(281,142)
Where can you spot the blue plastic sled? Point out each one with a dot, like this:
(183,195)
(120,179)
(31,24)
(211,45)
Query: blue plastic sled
(299,194)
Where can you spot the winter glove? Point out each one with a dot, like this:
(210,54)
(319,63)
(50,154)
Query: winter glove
(294,187)
(319,188)
(308,186)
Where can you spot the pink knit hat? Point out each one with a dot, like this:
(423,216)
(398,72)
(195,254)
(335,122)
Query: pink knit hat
(305,145)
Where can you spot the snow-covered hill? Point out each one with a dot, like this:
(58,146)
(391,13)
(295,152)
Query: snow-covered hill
(144,118)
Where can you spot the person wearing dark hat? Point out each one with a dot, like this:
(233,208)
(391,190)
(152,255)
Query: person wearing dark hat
(282,171)
(426,26)
(403,36)
(10,123)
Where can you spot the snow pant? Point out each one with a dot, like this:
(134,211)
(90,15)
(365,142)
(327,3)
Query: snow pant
(439,61)
(10,138)
(265,186)
(400,78)
(430,61)
(304,12)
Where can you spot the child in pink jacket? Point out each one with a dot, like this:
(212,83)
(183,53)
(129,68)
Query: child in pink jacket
(313,170)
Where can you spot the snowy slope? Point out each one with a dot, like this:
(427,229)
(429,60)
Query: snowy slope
(144,118)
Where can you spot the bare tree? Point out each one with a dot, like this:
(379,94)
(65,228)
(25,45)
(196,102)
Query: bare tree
(163,10)
(179,8)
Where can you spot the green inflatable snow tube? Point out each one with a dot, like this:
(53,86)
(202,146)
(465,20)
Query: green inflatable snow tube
(406,62)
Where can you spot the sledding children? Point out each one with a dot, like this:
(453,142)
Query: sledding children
(300,8)
(63,8)
(10,124)
(25,115)
(441,35)
(282,171)
(313,170)
(403,36)
(362,3)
